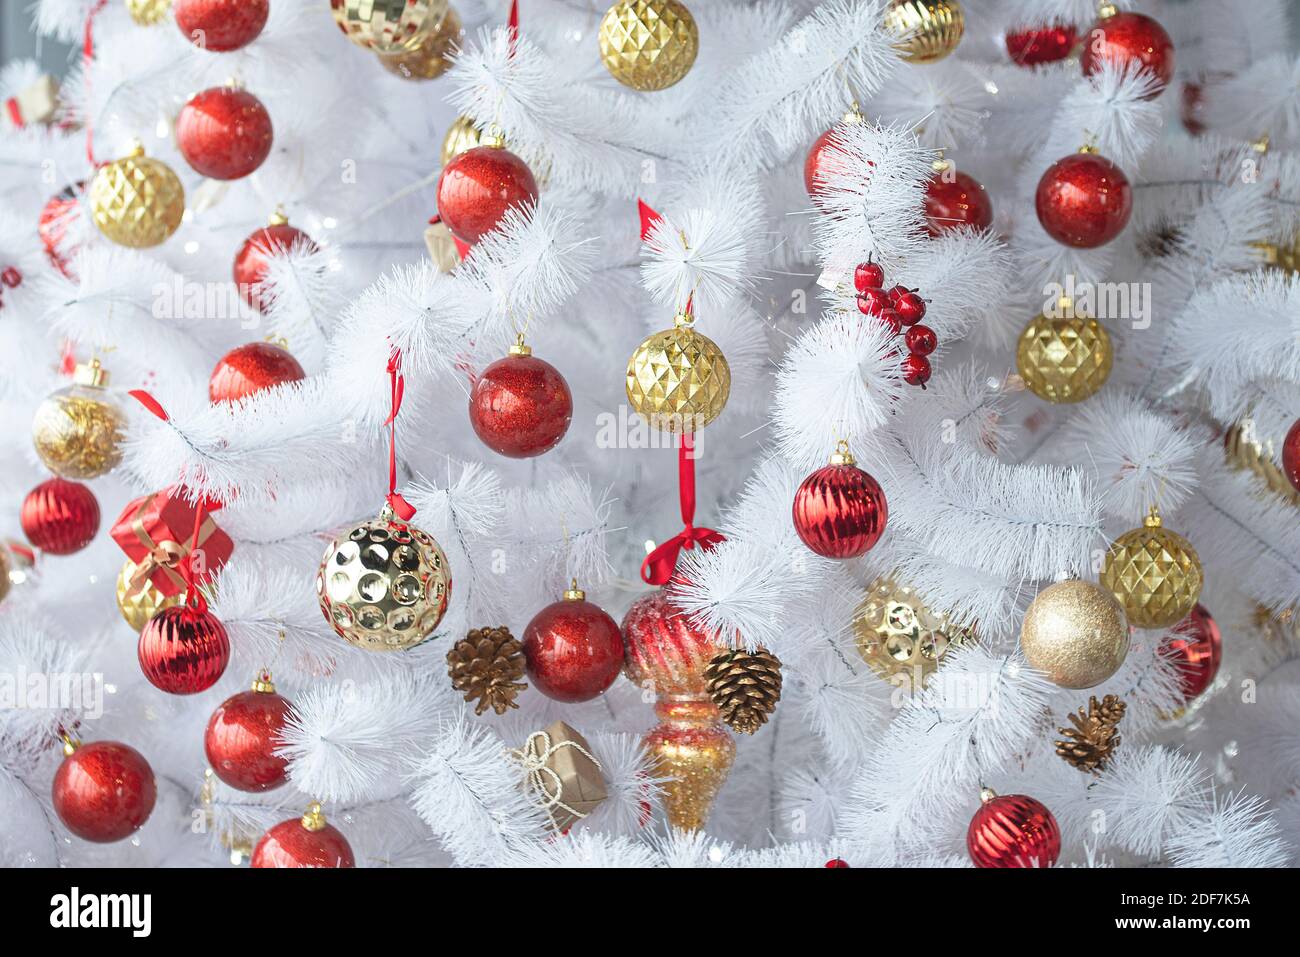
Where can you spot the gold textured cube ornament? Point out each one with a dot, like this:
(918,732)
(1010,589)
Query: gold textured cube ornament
(1064,359)
(1155,574)
(900,638)
(678,379)
(648,44)
(928,30)
(137,201)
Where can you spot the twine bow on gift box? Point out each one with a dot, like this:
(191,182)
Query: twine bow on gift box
(164,554)
(535,757)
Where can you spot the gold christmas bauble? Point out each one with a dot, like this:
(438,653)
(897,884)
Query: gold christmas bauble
(139,603)
(678,379)
(1154,573)
(146,13)
(464,135)
(384,586)
(1244,449)
(137,201)
(899,637)
(432,58)
(77,430)
(648,44)
(1076,633)
(927,30)
(1064,359)
(388,26)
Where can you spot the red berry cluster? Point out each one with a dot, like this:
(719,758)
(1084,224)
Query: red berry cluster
(896,308)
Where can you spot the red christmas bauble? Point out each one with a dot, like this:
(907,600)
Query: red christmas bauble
(251,260)
(1083,200)
(836,862)
(251,368)
(478,186)
(1013,830)
(840,511)
(308,841)
(183,650)
(221,25)
(1197,649)
(954,199)
(103,791)
(520,406)
(1291,454)
(815,167)
(60,517)
(224,133)
(243,734)
(573,650)
(58,217)
(663,649)
(1132,39)
(1041,44)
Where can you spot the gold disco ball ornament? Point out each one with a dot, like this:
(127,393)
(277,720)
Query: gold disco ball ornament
(384,586)
(901,639)
(678,380)
(146,13)
(648,44)
(140,602)
(464,135)
(432,58)
(927,30)
(388,26)
(1154,573)
(77,431)
(1064,359)
(1076,633)
(137,201)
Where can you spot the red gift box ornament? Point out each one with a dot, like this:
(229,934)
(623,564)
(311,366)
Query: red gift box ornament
(156,532)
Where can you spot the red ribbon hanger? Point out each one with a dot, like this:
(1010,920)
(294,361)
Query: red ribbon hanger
(400,506)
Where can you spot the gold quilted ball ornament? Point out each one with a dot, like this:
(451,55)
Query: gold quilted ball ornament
(432,58)
(77,430)
(146,13)
(1076,633)
(900,638)
(137,201)
(1154,573)
(140,602)
(464,135)
(388,26)
(648,44)
(1066,358)
(384,586)
(927,30)
(678,380)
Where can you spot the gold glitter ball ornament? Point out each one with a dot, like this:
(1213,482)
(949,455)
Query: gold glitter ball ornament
(388,26)
(900,638)
(432,58)
(1154,573)
(384,585)
(1064,359)
(678,379)
(146,13)
(137,201)
(138,605)
(927,30)
(77,431)
(464,135)
(1076,633)
(648,44)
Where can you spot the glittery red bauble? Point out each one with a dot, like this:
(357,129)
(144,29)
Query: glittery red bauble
(221,25)
(1083,200)
(290,844)
(242,737)
(478,186)
(104,791)
(955,199)
(1041,45)
(1291,454)
(60,517)
(224,133)
(1197,649)
(183,650)
(825,147)
(251,260)
(520,406)
(837,862)
(57,218)
(663,649)
(251,368)
(1013,830)
(840,511)
(1130,39)
(573,650)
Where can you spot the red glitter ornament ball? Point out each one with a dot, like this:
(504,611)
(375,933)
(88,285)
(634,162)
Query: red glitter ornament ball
(1197,648)
(840,511)
(58,218)
(825,148)
(221,25)
(183,650)
(573,650)
(224,132)
(1133,40)
(1083,200)
(251,368)
(1041,44)
(60,517)
(308,841)
(1291,455)
(477,188)
(251,260)
(243,734)
(520,406)
(103,791)
(954,199)
(1013,830)
(837,862)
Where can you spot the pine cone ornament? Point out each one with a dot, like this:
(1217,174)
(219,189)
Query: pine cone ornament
(486,665)
(745,686)
(1095,735)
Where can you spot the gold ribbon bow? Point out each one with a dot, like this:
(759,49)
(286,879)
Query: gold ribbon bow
(534,756)
(165,554)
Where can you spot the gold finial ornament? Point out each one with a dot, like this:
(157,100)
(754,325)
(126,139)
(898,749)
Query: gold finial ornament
(1076,633)
(137,201)
(926,30)
(433,57)
(901,639)
(678,379)
(1066,358)
(573,592)
(842,455)
(1154,573)
(77,430)
(388,26)
(521,348)
(145,13)
(648,45)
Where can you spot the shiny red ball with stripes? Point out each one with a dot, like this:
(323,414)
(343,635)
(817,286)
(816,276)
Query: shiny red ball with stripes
(60,517)
(1013,830)
(840,511)
(183,650)
(662,649)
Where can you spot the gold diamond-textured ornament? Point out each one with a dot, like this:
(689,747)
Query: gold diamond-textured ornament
(745,686)
(139,604)
(388,26)
(487,665)
(678,379)
(1245,450)
(1076,633)
(146,13)
(432,58)
(648,44)
(77,431)
(1089,744)
(927,30)
(137,201)
(384,585)
(899,637)
(1154,573)
(1064,359)
(464,134)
